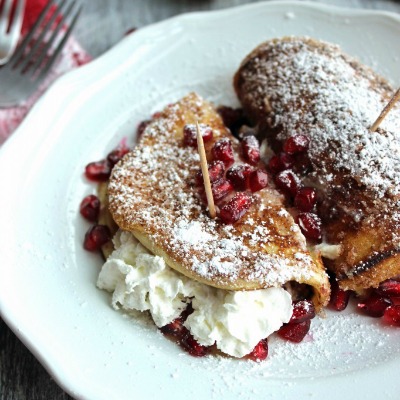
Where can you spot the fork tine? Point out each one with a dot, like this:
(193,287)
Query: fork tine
(44,51)
(11,18)
(18,16)
(7,7)
(60,46)
(39,40)
(21,48)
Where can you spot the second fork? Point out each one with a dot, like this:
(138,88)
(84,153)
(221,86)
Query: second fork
(11,17)
(38,51)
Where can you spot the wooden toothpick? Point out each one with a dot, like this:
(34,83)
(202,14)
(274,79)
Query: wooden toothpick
(204,170)
(385,111)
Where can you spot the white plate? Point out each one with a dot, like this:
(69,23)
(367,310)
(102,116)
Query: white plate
(47,281)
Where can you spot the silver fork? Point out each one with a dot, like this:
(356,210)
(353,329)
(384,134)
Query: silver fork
(34,57)
(10,27)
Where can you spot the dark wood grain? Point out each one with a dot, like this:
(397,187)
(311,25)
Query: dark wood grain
(22,377)
(104,23)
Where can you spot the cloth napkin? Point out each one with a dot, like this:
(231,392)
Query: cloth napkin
(72,56)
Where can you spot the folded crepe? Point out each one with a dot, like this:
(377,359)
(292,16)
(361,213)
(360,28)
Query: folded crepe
(152,194)
(303,86)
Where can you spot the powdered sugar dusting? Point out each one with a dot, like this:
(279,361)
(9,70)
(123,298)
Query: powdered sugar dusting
(314,89)
(339,101)
(191,233)
(154,189)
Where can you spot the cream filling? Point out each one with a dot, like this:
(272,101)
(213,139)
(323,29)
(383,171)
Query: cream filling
(234,320)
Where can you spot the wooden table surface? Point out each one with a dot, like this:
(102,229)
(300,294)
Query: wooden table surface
(102,24)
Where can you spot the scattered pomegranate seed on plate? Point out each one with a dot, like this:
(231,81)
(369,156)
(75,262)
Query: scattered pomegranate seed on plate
(390,287)
(114,156)
(339,298)
(98,171)
(295,332)
(303,310)
(251,150)
(237,175)
(223,151)
(175,328)
(260,351)
(90,208)
(232,211)
(156,115)
(280,162)
(305,199)
(190,134)
(288,182)
(216,171)
(257,180)
(374,305)
(190,344)
(296,144)
(221,189)
(391,315)
(95,237)
(311,225)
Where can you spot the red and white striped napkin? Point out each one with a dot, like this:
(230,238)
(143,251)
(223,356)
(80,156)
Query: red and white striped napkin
(72,56)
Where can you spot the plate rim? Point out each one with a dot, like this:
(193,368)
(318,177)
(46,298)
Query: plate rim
(8,315)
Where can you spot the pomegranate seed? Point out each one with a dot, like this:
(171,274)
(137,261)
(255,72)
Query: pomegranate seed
(221,189)
(258,180)
(190,344)
(175,328)
(260,351)
(303,310)
(395,300)
(374,305)
(115,155)
(296,144)
(251,150)
(280,162)
(339,298)
(98,171)
(156,115)
(141,127)
(90,208)
(235,208)
(216,171)
(275,165)
(305,199)
(233,117)
(390,288)
(295,332)
(206,133)
(237,175)
(96,236)
(311,226)
(190,134)
(392,315)
(288,182)
(222,150)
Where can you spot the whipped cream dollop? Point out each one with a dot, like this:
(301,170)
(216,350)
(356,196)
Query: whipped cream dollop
(234,320)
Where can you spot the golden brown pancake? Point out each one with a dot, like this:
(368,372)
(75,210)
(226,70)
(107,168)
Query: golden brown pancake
(303,86)
(153,195)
